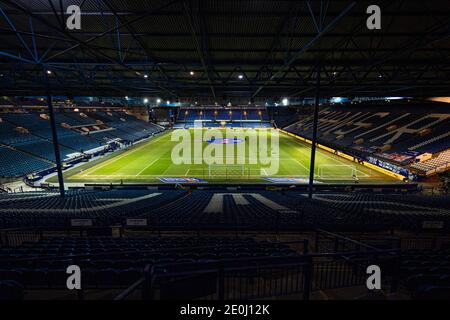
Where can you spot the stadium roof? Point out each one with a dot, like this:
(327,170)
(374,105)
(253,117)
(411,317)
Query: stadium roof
(224,49)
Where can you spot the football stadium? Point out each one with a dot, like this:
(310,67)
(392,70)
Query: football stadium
(197,150)
(150,162)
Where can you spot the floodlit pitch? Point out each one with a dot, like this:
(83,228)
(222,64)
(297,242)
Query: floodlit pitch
(151,162)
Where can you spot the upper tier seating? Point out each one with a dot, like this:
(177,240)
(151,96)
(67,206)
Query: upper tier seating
(10,136)
(75,119)
(29,142)
(33,122)
(285,116)
(44,149)
(35,139)
(384,134)
(70,141)
(78,142)
(125,126)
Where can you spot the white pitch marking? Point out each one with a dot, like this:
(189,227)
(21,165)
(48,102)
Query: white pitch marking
(126,153)
(301,165)
(343,162)
(146,167)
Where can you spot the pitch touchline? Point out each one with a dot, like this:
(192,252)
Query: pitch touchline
(126,153)
(178,175)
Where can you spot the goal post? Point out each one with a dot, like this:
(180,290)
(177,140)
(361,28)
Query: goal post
(226,171)
(198,124)
(347,172)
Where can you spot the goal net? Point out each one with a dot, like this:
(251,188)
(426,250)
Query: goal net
(198,124)
(347,172)
(226,171)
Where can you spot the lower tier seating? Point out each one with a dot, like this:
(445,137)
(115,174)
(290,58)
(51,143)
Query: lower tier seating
(118,262)
(203,209)
(15,163)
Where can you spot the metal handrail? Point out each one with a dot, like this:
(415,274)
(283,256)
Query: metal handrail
(334,235)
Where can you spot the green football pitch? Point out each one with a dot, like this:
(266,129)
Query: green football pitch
(150,161)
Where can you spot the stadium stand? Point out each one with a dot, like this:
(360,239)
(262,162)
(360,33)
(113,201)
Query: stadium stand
(16,163)
(121,262)
(27,142)
(204,209)
(40,136)
(381,131)
(394,138)
(233,117)
(105,207)
(150,213)
(427,274)
(285,116)
(439,163)
(118,262)
(75,119)
(126,127)
(30,134)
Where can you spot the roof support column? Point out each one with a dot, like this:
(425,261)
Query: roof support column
(54,136)
(314,137)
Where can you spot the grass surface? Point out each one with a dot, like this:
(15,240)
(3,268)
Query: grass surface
(148,161)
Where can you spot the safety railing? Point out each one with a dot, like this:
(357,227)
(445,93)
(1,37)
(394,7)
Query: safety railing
(266,278)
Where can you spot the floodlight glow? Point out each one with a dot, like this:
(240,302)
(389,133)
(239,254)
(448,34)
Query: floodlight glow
(240,76)
(191,73)
(158,100)
(395,98)
(337,100)
(145,100)
(285,101)
(49,72)
(145,76)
